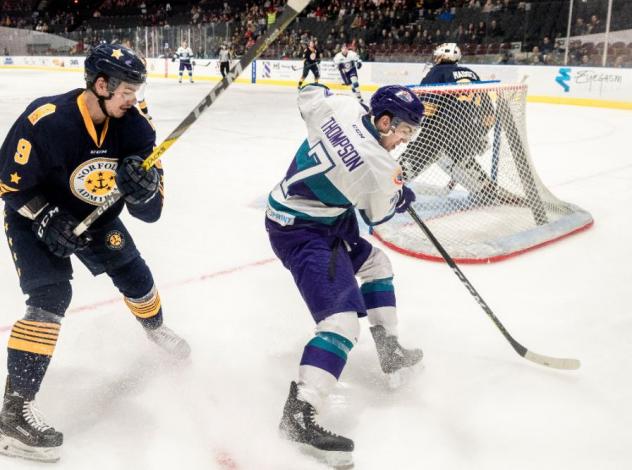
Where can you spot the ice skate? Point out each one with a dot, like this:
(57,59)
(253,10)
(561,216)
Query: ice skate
(24,433)
(169,342)
(299,425)
(396,362)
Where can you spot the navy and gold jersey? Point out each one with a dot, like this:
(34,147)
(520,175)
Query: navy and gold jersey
(450,73)
(55,150)
(311,57)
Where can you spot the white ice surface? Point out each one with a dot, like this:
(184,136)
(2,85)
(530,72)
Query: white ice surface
(475,405)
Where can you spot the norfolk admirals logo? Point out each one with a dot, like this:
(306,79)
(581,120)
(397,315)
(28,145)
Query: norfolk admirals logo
(115,240)
(94,180)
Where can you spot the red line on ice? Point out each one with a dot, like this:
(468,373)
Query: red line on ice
(192,280)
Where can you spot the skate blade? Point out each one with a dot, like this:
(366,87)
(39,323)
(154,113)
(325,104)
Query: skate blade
(14,448)
(339,460)
(401,377)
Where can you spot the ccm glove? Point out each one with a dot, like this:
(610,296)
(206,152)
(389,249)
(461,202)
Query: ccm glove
(137,184)
(54,227)
(406,198)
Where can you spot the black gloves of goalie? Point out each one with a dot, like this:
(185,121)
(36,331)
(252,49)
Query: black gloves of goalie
(54,227)
(137,184)
(406,198)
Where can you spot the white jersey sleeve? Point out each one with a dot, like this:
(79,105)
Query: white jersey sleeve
(341,165)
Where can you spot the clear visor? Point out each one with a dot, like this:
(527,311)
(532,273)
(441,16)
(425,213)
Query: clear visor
(403,130)
(130,91)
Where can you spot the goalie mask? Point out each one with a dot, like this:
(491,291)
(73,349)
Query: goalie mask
(448,52)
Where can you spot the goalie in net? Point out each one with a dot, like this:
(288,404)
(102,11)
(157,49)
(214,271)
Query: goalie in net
(476,186)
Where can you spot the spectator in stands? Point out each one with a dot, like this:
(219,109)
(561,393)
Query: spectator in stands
(580,28)
(546,46)
(481,32)
(535,58)
(619,62)
(594,26)
(495,32)
(507,58)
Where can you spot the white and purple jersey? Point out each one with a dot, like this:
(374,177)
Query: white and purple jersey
(340,166)
(348,65)
(184,54)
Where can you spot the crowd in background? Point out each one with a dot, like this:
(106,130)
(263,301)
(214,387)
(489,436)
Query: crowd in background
(377,29)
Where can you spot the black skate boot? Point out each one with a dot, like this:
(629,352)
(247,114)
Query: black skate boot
(23,431)
(169,342)
(395,361)
(298,424)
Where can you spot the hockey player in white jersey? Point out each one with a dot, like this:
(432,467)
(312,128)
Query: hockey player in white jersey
(185,55)
(343,165)
(348,64)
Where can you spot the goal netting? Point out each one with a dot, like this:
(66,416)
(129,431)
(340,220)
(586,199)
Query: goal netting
(477,188)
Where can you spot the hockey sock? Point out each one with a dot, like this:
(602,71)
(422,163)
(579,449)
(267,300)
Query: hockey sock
(379,298)
(30,349)
(327,351)
(147,309)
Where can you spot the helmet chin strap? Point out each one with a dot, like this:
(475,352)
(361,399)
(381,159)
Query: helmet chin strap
(391,129)
(101,99)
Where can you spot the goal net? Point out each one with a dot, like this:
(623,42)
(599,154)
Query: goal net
(477,189)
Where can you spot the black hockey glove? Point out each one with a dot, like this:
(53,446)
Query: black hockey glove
(358,65)
(54,227)
(137,184)
(406,198)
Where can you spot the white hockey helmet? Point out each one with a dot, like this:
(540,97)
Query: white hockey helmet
(446,52)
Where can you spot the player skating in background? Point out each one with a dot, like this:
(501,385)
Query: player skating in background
(311,62)
(348,64)
(60,159)
(185,55)
(343,164)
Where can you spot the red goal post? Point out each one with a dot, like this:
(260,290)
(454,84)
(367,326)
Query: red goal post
(477,188)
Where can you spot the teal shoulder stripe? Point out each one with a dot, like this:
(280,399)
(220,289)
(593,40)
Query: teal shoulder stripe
(379,285)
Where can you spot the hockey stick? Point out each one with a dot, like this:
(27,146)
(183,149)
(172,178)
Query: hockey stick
(291,11)
(555,362)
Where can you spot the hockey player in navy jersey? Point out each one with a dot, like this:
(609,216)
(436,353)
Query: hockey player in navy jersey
(311,63)
(348,64)
(344,164)
(60,160)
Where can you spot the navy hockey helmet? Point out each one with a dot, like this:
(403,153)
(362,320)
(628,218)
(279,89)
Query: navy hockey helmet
(114,61)
(399,102)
